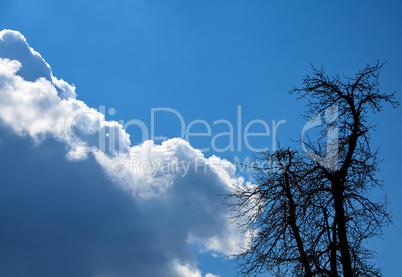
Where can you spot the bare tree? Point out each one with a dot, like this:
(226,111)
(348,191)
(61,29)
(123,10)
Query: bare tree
(310,213)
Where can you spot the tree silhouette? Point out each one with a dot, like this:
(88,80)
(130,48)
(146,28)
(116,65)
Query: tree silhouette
(310,212)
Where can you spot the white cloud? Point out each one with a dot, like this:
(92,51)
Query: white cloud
(42,106)
(189,271)
(14,46)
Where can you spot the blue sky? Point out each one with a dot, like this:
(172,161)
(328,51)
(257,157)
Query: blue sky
(202,59)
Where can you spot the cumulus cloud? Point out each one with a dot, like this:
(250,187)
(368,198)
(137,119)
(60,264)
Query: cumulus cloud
(188,271)
(14,46)
(173,188)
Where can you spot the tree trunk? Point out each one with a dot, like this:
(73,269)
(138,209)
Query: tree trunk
(342,232)
(295,228)
(334,268)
